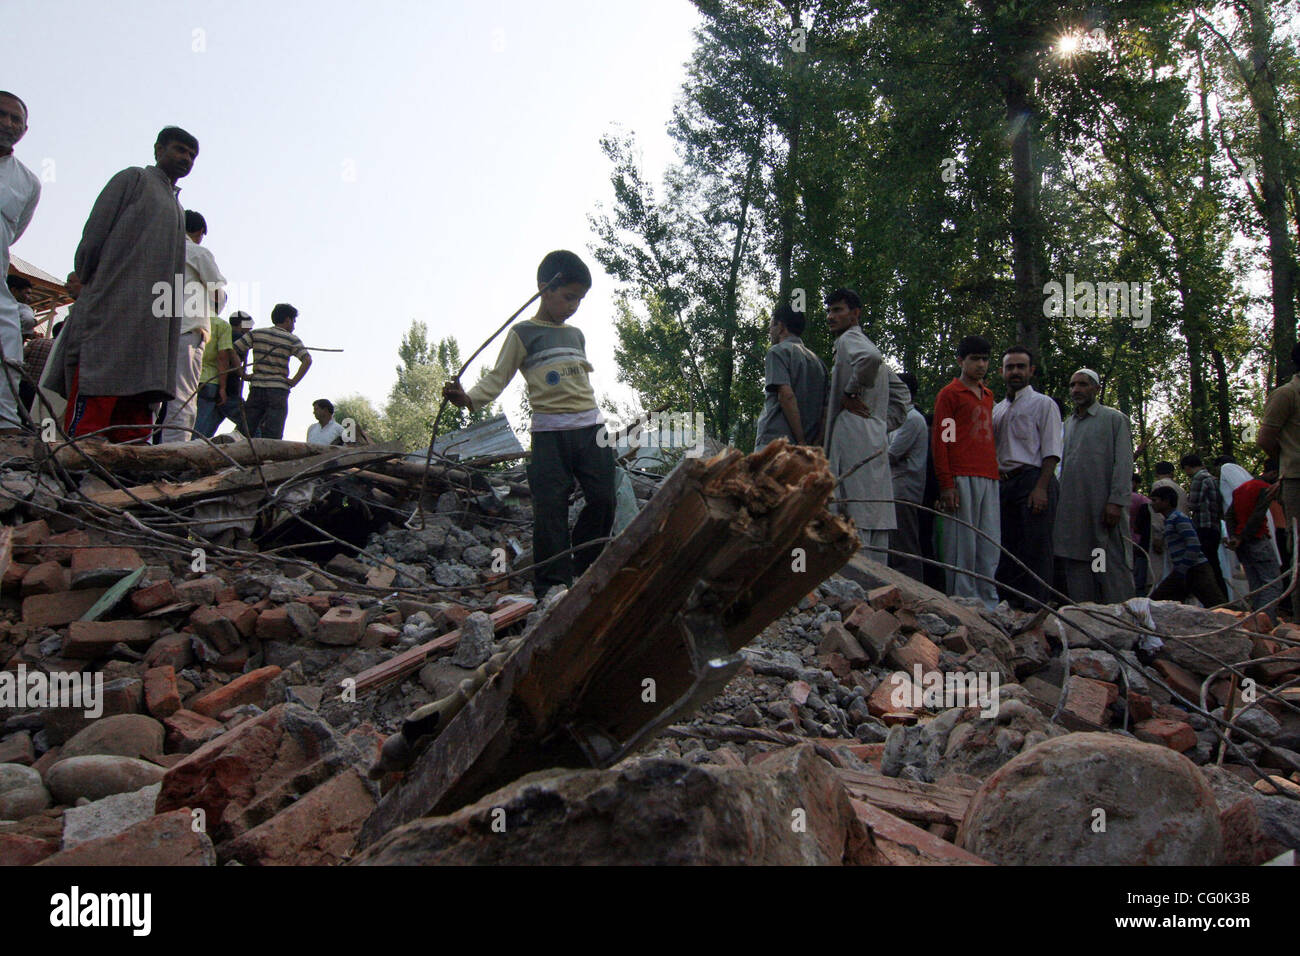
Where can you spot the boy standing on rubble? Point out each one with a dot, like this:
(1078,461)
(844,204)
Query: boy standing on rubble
(565,425)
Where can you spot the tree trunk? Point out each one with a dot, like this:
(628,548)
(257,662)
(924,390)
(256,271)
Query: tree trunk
(787,180)
(1223,396)
(1272,151)
(733,284)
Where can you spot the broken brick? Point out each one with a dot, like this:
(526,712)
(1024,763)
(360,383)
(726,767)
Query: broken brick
(188,731)
(876,631)
(172,650)
(916,649)
(61,547)
(49,577)
(380,635)
(29,535)
(102,567)
(885,598)
(153,597)
(88,640)
(1179,680)
(1175,735)
(342,626)
(12,580)
(212,625)
(1088,699)
(248,688)
(836,639)
(56,610)
(161,696)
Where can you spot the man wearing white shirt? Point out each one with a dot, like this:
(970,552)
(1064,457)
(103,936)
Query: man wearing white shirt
(20,190)
(1027,433)
(205,296)
(326,431)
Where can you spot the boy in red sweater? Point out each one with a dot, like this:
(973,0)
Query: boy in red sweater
(966,464)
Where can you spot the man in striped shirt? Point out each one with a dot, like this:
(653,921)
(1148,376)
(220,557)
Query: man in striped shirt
(1205,509)
(268,393)
(1190,572)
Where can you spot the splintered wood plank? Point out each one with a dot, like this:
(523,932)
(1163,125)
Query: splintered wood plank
(910,799)
(407,662)
(906,845)
(713,546)
(161,492)
(183,456)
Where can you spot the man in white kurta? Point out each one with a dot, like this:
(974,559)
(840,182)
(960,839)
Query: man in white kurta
(867,401)
(20,190)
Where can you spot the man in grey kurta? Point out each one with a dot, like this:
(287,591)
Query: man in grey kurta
(20,191)
(123,338)
(867,400)
(1092,533)
(795,383)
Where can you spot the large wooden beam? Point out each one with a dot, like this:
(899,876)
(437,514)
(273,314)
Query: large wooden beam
(175,457)
(170,493)
(647,634)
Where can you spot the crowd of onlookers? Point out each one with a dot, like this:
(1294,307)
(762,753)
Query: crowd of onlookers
(143,354)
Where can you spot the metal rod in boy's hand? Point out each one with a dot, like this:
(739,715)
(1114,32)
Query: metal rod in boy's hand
(433,434)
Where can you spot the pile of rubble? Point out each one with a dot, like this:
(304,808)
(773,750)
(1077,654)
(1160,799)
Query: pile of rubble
(241,709)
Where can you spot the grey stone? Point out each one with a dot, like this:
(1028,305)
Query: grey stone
(448,503)
(1039,808)
(1255,720)
(99,776)
(109,816)
(475,644)
(21,792)
(933,624)
(477,556)
(450,574)
(1098,665)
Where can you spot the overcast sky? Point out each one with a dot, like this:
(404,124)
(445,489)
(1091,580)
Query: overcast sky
(369,163)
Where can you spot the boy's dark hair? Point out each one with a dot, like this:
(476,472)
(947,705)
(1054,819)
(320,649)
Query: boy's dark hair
(194,222)
(1164,468)
(973,345)
(1166,494)
(239,317)
(847,296)
(561,268)
(325,402)
(908,379)
(1190,460)
(1271,465)
(1224,460)
(282,313)
(174,134)
(1019,350)
(795,322)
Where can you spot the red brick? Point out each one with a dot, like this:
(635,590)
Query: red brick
(56,610)
(102,567)
(876,631)
(1179,680)
(170,649)
(233,662)
(342,626)
(455,614)
(317,830)
(1139,706)
(248,688)
(885,598)
(28,535)
(320,603)
(836,639)
(226,595)
(12,580)
(1168,733)
(153,597)
(19,849)
(161,696)
(957,640)
(188,731)
(837,664)
(209,623)
(200,590)
(50,577)
(881,701)
(61,547)
(88,640)
(1089,699)
(380,635)
(916,649)
(798,691)
(273,624)
(1244,841)
(1275,670)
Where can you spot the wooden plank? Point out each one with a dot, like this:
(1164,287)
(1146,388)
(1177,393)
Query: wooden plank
(183,456)
(169,493)
(713,549)
(907,845)
(395,668)
(909,799)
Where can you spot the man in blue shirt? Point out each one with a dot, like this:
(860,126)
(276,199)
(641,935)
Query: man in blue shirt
(1190,572)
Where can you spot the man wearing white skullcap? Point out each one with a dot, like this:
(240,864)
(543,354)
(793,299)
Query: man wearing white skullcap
(1092,541)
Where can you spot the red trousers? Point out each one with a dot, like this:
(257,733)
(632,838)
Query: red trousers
(130,417)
